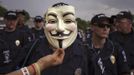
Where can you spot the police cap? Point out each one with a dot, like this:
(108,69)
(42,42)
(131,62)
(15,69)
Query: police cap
(10,15)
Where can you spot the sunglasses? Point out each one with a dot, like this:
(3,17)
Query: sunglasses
(103,25)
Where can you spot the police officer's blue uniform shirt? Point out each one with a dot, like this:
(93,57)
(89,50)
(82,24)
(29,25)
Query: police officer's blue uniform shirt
(16,45)
(38,33)
(74,61)
(4,57)
(127,42)
(110,60)
(26,30)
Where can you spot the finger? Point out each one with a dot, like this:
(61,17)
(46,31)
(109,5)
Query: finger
(59,56)
(59,52)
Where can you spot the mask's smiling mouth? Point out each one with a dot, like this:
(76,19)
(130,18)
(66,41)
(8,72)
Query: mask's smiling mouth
(60,35)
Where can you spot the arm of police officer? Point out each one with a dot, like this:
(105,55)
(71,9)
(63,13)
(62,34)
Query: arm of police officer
(43,63)
(123,67)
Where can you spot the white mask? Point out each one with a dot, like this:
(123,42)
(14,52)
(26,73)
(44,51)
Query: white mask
(61,26)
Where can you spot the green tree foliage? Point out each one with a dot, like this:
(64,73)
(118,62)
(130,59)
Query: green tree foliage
(82,24)
(3,10)
(27,16)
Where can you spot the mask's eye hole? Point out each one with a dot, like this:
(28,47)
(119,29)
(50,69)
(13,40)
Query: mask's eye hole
(68,21)
(52,21)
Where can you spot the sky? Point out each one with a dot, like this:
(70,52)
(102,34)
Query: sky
(85,9)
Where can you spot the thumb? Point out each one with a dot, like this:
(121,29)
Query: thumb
(59,52)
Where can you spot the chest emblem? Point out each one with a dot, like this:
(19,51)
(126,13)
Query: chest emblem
(112,58)
(17,42)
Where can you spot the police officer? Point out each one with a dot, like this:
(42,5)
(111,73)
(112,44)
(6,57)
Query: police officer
(80,35)
(88,32)
(113,23)
(38,31)
(21,24)
(125,35)
(15,42)
(61,32)
(105,57)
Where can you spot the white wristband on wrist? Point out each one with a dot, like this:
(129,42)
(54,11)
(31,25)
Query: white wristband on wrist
(131,73)
(25,71)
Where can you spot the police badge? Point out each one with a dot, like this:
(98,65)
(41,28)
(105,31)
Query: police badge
(17,42)
(112,58)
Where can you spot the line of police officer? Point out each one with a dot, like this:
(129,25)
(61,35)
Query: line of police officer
(16,40)
(101,56)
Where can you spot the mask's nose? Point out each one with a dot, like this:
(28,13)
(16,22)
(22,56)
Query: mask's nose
(60,26)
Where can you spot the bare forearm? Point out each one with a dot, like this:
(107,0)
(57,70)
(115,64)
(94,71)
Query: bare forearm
(43,63)
(19,72)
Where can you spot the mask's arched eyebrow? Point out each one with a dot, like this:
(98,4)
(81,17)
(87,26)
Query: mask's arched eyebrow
(68,13)
(51,14)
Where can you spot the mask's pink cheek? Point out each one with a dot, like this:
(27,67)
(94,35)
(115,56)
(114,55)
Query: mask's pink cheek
(50,27)
(71,27)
